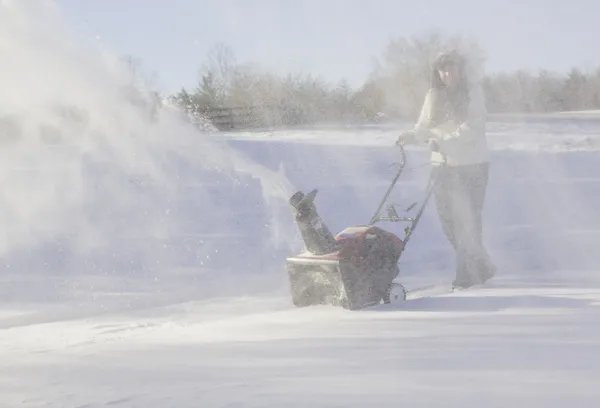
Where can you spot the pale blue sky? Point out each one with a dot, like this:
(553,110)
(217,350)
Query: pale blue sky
(334,38)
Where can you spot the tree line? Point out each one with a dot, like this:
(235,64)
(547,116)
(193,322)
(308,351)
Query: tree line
(394,90)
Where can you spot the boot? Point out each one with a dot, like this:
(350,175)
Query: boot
(465,277)
(463,283)
(487,273)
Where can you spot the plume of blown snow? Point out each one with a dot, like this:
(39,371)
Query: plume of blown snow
(88,160)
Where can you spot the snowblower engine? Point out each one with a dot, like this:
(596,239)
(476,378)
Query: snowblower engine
(357,267)
(354,269)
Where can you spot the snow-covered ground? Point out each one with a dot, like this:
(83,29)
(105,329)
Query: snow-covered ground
(222,338)
(142,262)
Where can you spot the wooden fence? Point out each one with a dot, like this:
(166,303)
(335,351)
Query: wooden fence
(235,118)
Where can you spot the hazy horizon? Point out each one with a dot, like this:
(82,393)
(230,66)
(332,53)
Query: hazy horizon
(335,40)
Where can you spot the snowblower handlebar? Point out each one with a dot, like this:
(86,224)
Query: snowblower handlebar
(402,155)
(392,214)
(376,217)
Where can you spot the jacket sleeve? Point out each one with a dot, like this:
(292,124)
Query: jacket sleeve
(470,129)
(422,128)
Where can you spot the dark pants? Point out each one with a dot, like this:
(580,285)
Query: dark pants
(459,196)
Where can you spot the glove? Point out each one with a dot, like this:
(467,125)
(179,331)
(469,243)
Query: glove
(408,137)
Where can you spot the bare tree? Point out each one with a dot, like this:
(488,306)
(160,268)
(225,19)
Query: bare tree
(217,74)
(403,71)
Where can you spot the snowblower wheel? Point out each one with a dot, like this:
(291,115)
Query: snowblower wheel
(395,293)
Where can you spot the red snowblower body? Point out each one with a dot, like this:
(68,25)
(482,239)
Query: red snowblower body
(355,268)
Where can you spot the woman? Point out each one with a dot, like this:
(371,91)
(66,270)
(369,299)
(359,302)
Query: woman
(452,122)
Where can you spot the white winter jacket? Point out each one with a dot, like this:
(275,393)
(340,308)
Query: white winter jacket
(461,143)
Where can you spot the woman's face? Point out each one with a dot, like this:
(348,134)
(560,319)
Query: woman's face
(449,75)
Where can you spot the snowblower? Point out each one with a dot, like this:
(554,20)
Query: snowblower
(357,267)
